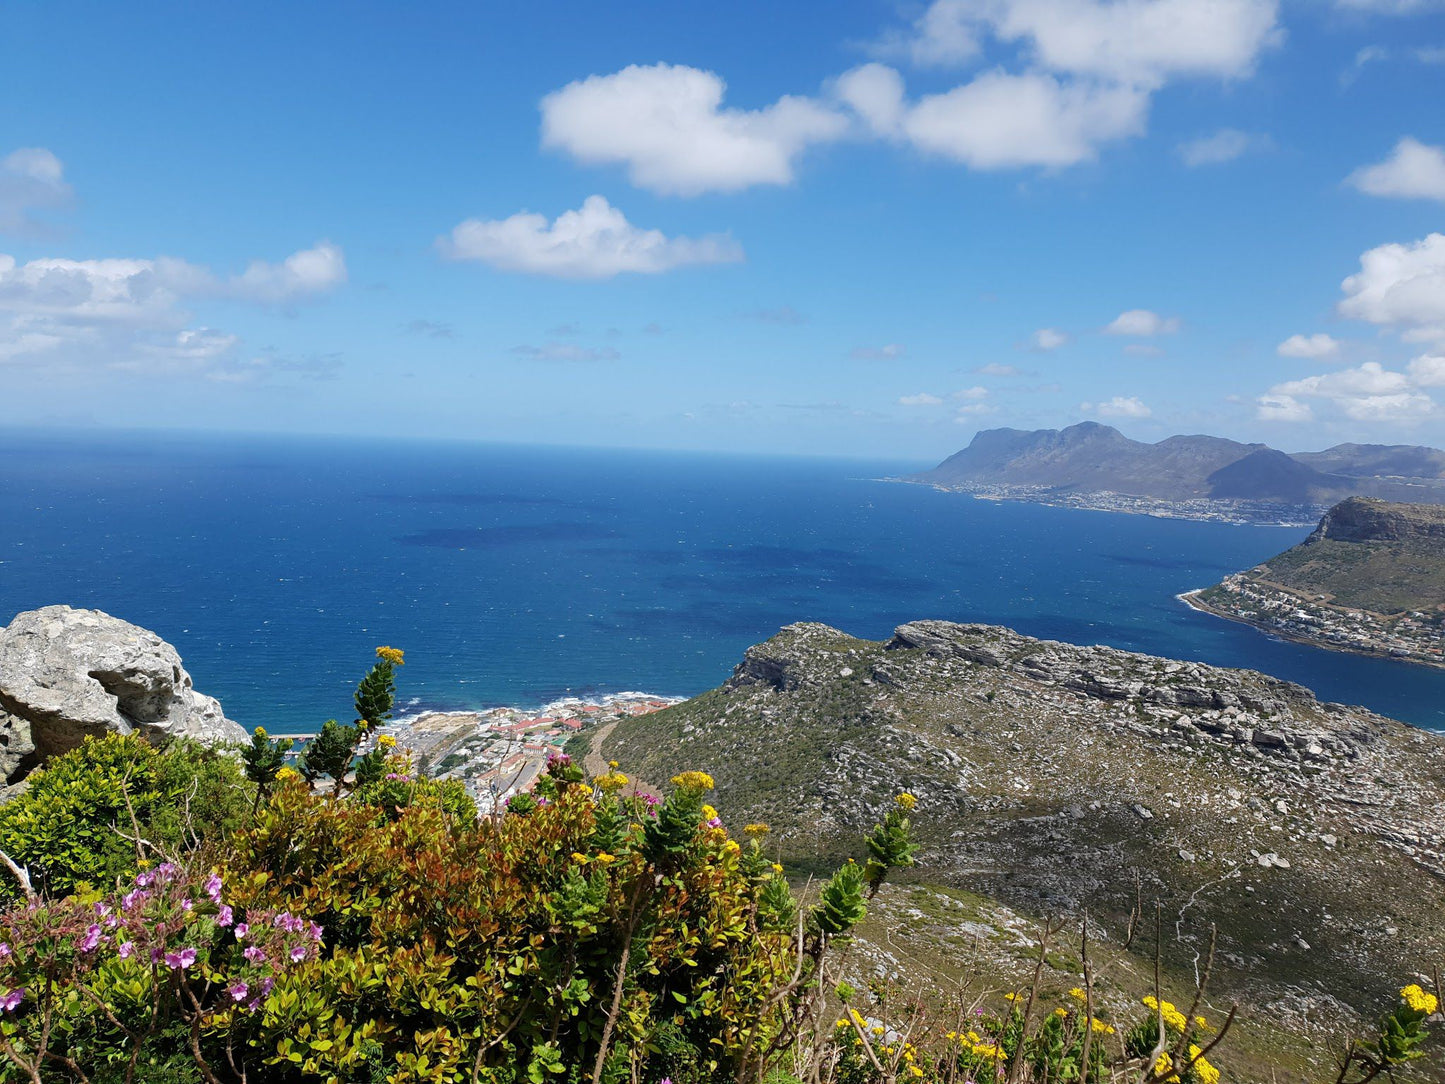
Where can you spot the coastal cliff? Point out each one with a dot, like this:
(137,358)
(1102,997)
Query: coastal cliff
(1370,579)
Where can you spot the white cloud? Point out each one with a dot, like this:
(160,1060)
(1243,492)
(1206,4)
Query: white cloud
(1005,121)
(312,271)
(972,410)
(595,242)
(1118,407)
(129,313)
(1428,371)
(554,351)
(1414,170)
(975,392)
(1048,338)
(1369,393)
(31,179)
(1282,408)
(1143,350)
(1401,286)
(1222,146)
(921,399)
(887,352)
(666,123)
(1309,346)
(1137,41)
(1142,322)
(993,368)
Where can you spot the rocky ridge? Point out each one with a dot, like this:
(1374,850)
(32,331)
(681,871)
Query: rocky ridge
(67,673)
(1053,777)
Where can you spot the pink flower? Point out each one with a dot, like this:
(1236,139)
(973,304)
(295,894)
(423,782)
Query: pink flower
(11,1001)
(91,939)
(224,917)
(298,953)
(179,961)
(127,949)
(4,949)
(238,990)
(133,898)
(254,954)
(315,932)
(242,929)
(186,904)
(213,887)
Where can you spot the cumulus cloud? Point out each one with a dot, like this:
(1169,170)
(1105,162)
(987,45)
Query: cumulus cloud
(1282,408)
(1368,393)
(1142,323)
(555,351)
(594,242)
(1219,147)
(1048,338)
(130,311)
(1118,407)
(1414,170)
(1138,41)
(974,393)
(887,352)
(1428,371)
(31,179)
(1401,286)
(1309,346)
(666,123)
(921,399)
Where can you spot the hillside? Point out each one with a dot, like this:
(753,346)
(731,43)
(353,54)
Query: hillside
(1370,579)
(1217,475)
(1050,776)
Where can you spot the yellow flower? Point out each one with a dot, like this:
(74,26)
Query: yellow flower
(605,859)
(1418,999)
(612,764)
(260,732)
(386,741)
(915,1070)
(286,773)
(777,868)
(756,829)
(392,655)
(1078,995)
(1206,1072)
(1164,1065)
(988,1050)
(1201,1023)
(1061,1012)
(1100,1028)
(143,863)
(906,802)
(693,780)
(1173,1018)
(612,781)
(709,813)
(731,847)
(1011,996)
(578,856)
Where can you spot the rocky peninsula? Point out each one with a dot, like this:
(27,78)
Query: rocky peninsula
(1370,579)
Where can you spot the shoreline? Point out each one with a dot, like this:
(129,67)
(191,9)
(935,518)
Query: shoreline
(1228,513)
(1194,602)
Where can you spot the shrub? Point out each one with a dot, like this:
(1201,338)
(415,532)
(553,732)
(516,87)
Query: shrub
(73,829)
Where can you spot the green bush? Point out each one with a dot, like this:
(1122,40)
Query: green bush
(72,827)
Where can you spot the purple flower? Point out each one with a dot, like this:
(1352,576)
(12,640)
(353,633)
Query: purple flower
(143,880)
(11,1001)
(213,887)
(179,961)
(298,953)
(4,949)
(242,929)
(253,1004)
(266,985)
(238,990)
(254,955)
(133,898)
(165,871)
(91,938)
(127,948)
(315,932)
(224,917)
(186,903)
(715,822)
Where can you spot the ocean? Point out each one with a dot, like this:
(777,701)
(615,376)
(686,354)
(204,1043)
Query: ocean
(515,575)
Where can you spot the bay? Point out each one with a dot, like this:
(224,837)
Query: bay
(513,575)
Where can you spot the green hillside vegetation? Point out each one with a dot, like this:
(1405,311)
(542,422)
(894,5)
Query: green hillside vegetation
(1384,577)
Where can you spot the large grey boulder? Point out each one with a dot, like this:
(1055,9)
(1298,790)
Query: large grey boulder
(67,673)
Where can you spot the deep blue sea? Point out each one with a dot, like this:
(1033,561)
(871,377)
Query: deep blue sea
(513,575)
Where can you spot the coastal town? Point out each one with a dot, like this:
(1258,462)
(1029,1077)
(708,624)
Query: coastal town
(499,752)
(1201,509)
(1413,636)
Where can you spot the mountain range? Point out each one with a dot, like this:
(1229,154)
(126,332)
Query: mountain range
(1095,458)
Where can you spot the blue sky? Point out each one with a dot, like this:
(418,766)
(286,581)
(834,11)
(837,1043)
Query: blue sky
(857,228)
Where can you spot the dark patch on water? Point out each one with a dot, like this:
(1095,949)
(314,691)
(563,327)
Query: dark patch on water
(464,538)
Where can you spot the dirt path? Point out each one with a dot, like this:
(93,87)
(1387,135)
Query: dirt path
(594,763)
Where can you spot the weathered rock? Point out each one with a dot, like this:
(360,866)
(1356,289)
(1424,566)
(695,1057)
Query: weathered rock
(67,673)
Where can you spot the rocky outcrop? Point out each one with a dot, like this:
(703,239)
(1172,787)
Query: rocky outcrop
(67,673)
(1364,519)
